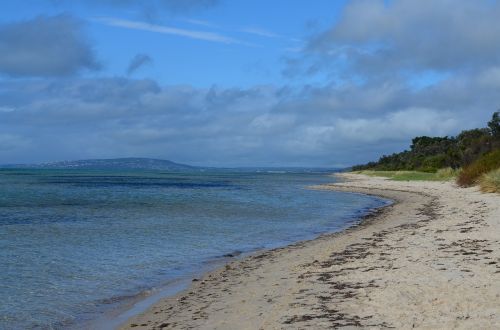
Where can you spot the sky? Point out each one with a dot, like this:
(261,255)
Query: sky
(242,82)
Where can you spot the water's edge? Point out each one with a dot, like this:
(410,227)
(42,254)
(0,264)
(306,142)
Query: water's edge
(144,301)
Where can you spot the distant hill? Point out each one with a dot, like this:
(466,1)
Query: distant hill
(116,163)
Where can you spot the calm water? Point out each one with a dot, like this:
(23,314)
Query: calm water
(73,243)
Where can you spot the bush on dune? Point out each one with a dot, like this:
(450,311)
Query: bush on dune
(490,182)
(447,173)
(472,173)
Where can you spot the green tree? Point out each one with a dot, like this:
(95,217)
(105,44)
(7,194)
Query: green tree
(494,125)
(431,153)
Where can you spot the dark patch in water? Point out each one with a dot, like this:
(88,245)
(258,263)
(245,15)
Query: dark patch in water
(232,254)
(140,184)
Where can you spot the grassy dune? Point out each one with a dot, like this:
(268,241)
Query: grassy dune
(490,182)
(473,173)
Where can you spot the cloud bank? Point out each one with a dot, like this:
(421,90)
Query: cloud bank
(392,70)
(264,125)
(45,46)
(377,38)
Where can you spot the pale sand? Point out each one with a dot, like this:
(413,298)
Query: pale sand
(431,261)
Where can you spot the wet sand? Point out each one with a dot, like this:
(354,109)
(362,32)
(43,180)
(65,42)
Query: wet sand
(431,261)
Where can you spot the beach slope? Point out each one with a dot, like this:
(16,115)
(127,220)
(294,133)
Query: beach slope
(431,260)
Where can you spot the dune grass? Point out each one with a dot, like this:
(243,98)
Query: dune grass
(447,173)
(442,175)
(471,174)
(490,182)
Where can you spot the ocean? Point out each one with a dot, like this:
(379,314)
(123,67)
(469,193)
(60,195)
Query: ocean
(76,244)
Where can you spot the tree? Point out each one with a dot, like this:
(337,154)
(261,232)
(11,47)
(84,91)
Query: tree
(431,153)
(494,125)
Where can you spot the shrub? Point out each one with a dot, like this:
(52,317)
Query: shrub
(486,163)
(431,164)
(447,173)
(490,182)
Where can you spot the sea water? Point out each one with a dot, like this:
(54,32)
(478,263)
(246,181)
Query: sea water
(75,243)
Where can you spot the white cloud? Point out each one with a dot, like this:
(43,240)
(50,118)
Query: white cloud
(7,109)
(199,22)
(377,38)
(93,118)
(45,46)
(369,107)
(398,125)
(260,32)
(193,34)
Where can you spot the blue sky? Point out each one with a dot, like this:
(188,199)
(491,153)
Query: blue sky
(242,83)
(261,33)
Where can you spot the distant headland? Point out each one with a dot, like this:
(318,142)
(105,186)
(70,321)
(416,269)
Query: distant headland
(114,163)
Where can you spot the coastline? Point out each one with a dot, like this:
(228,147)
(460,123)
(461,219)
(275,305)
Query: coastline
(407,265)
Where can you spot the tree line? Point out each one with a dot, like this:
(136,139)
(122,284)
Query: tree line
(429,154)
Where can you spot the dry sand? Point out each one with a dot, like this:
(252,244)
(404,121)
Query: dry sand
(429,261)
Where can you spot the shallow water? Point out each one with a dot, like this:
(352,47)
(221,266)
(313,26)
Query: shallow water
(75,243)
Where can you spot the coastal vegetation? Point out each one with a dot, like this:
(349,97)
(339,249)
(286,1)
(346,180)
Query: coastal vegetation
(441,175)
(485,164)
(472,157)
(490,182)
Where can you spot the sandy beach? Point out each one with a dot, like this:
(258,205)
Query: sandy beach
(431,261)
